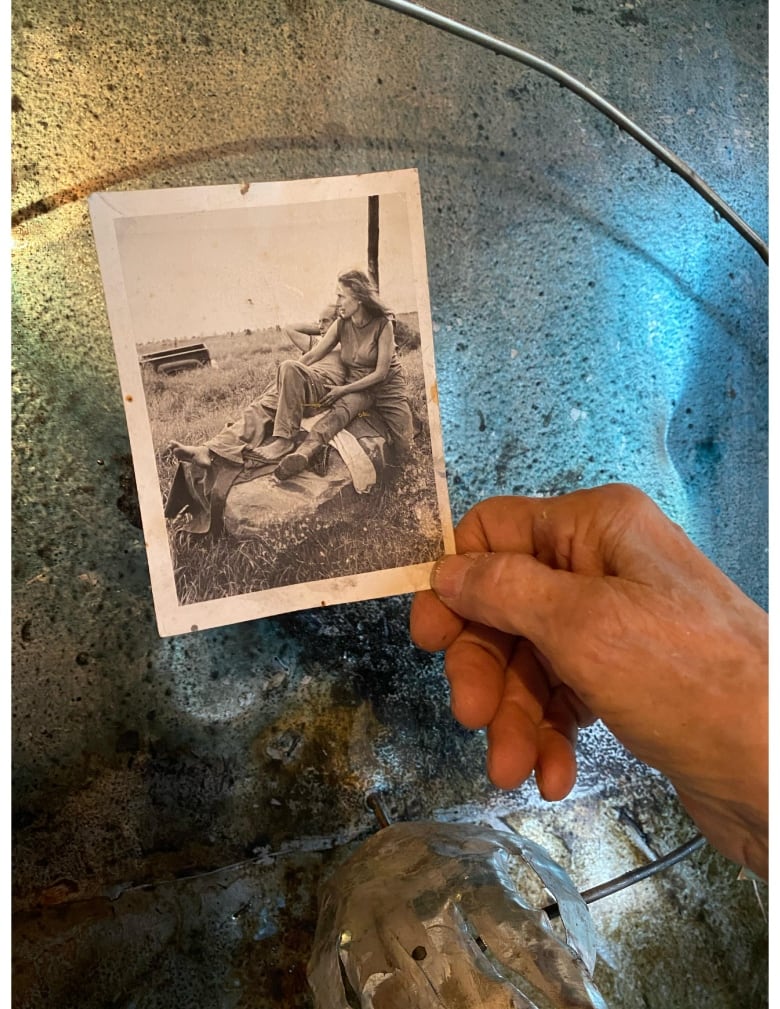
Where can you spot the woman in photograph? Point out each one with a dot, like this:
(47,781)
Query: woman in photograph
(366,374)
(363,332)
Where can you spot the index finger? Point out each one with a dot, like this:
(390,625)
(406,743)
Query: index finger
(498,523)
(475,665)
(490,525)
(432,625)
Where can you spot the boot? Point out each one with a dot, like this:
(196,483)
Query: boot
(304,456)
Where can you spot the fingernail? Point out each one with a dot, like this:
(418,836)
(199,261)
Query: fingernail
(449,574)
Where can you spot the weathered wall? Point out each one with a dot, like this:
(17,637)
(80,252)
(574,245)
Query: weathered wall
(593,320)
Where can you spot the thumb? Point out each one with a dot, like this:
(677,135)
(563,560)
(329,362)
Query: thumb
(512,592)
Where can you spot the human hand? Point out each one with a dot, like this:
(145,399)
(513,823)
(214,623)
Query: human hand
(334,393)
(595,605)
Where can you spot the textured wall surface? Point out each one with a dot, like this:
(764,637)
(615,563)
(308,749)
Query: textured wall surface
(177,801)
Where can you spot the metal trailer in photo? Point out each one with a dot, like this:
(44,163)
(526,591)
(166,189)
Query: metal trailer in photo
(275,353)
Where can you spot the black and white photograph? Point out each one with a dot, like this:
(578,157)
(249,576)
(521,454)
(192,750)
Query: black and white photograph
(275,353)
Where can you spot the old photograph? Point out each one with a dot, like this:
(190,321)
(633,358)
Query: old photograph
(275,354)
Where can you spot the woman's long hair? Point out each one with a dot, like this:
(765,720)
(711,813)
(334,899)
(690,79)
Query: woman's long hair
(364,290)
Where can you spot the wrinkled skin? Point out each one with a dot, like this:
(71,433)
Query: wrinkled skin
(592,605)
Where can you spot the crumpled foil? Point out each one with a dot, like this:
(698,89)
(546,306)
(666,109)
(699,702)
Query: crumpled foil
(447,916)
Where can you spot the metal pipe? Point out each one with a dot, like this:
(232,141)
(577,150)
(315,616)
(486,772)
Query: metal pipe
(635,875)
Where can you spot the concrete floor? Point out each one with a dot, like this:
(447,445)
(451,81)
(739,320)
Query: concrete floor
(176,801)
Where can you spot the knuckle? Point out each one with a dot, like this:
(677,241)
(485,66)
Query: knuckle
(626,496)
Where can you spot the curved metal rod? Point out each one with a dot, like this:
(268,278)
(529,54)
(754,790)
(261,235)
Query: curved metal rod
(635,875)
(669,158)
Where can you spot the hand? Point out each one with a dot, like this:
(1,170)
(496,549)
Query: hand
(595,605)
(334,393)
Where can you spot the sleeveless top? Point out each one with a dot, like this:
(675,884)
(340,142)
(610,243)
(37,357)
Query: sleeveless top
(359,347)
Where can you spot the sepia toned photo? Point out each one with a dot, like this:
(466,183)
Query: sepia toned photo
(275,354)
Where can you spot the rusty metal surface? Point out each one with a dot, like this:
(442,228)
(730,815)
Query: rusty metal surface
(593,321)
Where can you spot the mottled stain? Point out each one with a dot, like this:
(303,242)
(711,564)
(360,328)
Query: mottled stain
(127,502)
(631,17)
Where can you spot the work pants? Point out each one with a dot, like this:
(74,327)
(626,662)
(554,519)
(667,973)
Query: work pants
(299,390)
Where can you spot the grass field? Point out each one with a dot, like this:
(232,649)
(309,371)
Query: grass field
(397,524)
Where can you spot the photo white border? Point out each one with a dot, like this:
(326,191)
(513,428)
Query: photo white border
(105,209)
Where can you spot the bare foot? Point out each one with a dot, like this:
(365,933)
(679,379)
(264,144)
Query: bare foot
(275,450)
(198,454)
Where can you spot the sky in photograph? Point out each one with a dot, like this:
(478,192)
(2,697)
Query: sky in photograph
(193,275)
